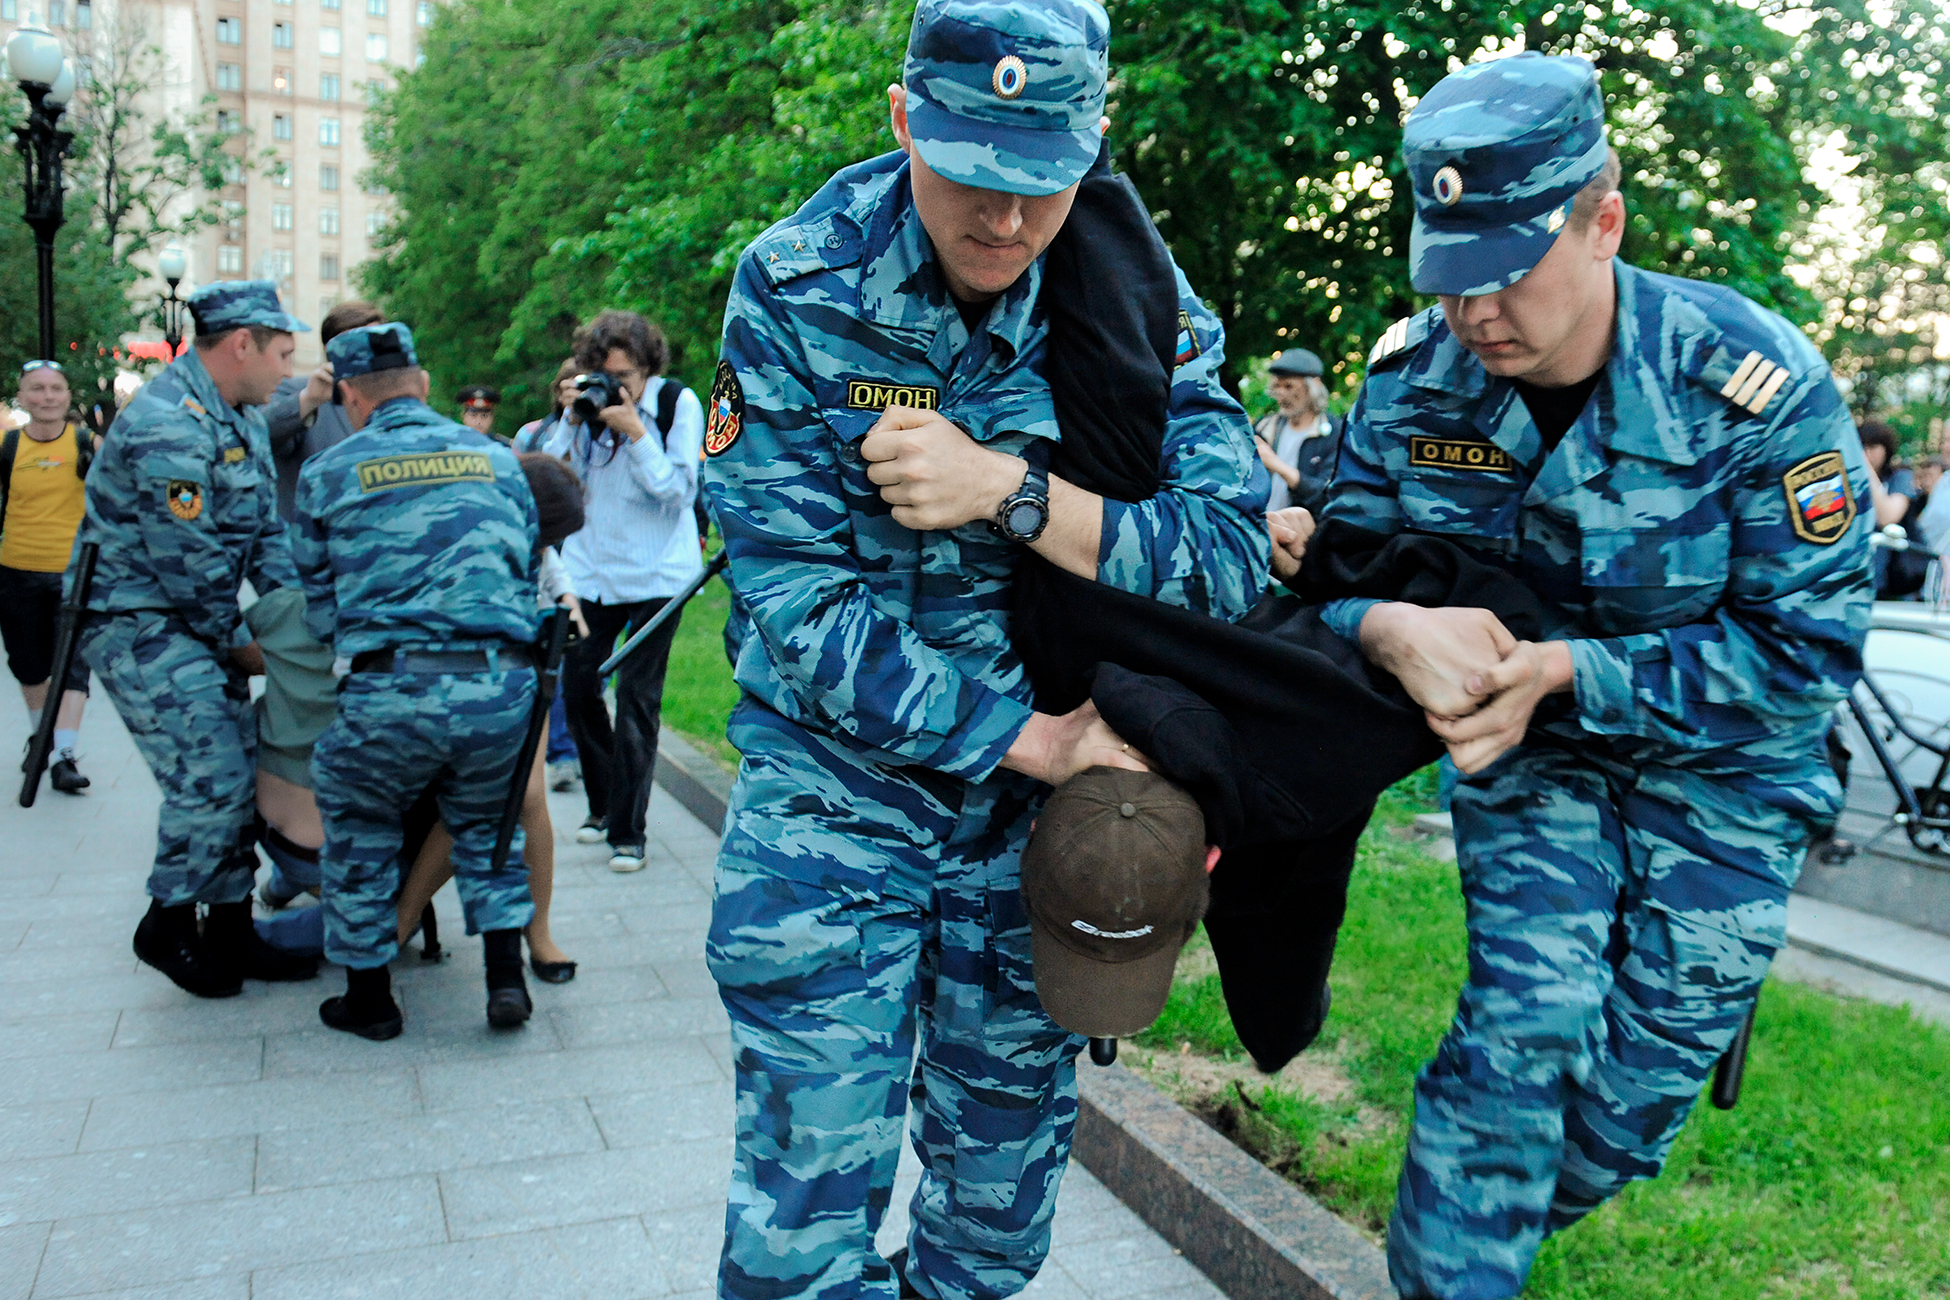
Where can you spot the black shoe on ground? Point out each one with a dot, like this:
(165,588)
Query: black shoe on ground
(378,1021)
(508,1004)
(553,972)
(509,1008)
(65,778)
(233,941)
(167,939)
(594,830)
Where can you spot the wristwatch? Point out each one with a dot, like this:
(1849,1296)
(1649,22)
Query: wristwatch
(1024,513)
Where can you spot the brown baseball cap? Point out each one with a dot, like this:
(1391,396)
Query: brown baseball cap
(1114,882)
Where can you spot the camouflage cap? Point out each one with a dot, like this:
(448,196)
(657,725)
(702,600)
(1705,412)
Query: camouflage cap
(232,304)
(1496,152)
(371,348)
(1008,94)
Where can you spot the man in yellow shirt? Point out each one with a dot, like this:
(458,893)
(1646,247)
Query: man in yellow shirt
(41,503)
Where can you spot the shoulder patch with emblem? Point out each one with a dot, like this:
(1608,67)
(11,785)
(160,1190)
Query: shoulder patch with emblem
(185,499)
(879,394)
(1754,383)
(1406,333)
(1189,349)
(725,419)
(1458,453)
(424,470)
(1818,500)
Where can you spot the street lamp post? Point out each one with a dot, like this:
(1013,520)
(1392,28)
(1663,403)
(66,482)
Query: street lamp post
(34,59)
(172,265)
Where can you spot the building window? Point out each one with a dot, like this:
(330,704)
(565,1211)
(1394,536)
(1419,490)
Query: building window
(230,77)
(376,46)
(328,85)
(423,13)
(57,13)
(328,221)
(280,36)
(375,92)
(280,126)
(328,130)
(10,11)
(328,176)
(325,305)
(84,16)
(280,216)
(373,221)
(233,171)
(230,258)
(230,31)
(233,214)
(281,174)
(281,81)
(328,4)
(228,122)
(328,40)
(278,262)
(376,8)
(328,266)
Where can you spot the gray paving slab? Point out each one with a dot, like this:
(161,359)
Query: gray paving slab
(105,1182)
(156,1146)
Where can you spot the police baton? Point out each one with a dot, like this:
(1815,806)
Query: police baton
(664,615)
(551,642)
(1733,1066)
(67,633)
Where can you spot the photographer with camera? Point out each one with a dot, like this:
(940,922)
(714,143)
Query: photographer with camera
(635,439)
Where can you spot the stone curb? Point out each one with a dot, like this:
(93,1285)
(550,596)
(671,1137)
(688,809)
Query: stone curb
(1254,1234)
(1257,1236)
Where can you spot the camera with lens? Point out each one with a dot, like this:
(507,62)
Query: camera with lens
(595,393)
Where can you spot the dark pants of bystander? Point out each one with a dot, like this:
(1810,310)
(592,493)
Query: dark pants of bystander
(618,761)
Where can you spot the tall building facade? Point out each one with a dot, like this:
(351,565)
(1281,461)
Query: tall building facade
(292,79)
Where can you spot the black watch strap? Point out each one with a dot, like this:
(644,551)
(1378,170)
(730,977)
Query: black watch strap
(1024,513)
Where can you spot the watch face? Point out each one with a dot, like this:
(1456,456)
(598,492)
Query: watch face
(1025,517)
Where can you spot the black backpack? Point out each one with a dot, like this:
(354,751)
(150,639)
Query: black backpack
(84,448)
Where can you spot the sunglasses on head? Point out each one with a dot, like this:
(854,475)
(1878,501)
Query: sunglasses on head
(32,366)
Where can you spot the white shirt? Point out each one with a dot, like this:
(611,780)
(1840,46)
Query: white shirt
(1287,440)
(638,540)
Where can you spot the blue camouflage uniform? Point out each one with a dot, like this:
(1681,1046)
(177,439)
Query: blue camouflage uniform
(416,534)
(1699,538)
(182,500)
(869,865)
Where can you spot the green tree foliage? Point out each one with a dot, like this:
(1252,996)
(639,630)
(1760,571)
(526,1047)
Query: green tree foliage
(650,144)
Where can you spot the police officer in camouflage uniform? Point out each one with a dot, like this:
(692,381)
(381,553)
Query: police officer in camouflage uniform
(877,441)
(1669,467)
(182,499)
(417,540)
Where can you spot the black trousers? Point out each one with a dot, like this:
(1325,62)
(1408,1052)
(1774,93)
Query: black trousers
(618,761)
(30,619)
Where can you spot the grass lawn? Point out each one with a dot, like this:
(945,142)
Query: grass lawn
(698,690)
(1831,1177)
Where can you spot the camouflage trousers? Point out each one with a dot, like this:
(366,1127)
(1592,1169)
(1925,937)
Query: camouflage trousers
(862,911)
(394,735)
(188,709)
(1621,920)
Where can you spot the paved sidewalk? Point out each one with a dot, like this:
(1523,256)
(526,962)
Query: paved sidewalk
(156,1146)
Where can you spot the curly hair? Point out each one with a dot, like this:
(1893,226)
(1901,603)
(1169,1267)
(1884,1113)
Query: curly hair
(642,342)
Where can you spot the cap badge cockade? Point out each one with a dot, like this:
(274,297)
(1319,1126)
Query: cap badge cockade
(1448,187)
(1011,77)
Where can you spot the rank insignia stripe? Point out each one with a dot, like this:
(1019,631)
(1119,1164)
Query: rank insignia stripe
(724,417)
(185,499)
(194,405)
(1458,453)
(231,455)
(429,469)
(879,394)
(1754,383)
(1392,340)
(1819,503)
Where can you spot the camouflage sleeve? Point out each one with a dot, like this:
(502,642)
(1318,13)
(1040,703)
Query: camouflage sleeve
(1785,643)
(822,652)
(186,554)
(1201,542)
(312,557)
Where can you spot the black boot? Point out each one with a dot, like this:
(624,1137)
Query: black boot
(508,1005)
(234,942)
(167,939)
(367,1009)
(65,776)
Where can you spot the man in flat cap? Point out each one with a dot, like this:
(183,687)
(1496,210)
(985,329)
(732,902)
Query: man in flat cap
(878,441)
(417,541)
(1298,442)
(1670,469)
(182,498)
